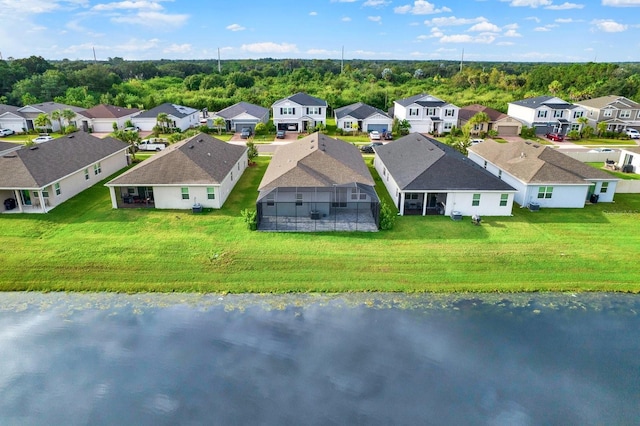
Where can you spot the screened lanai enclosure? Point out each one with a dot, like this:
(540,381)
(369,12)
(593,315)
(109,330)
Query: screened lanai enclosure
(352,207)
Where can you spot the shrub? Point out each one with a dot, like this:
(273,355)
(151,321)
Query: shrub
(573,135)
(387,216)
(493,133)
(250,218)
(528,132)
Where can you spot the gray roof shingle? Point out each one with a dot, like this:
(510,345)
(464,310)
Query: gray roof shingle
(177,111)
(359,111)
(241,108)
(305,100)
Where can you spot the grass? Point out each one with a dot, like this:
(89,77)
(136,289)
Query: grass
(603,142)
(85,245)
(618,174)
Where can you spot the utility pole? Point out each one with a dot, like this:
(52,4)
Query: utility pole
(94,55)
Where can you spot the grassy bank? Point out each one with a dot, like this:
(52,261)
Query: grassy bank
(84,245)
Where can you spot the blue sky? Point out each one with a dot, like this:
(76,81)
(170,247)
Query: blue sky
(487,30)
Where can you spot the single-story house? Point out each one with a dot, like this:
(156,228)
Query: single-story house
(21,119)
(241,115)
(629,161)
(299,113)
(317,183)
(11,118)
(543,176)
(200,171)
(498,121)
(180,117)
(366,117)
(101,117)
(426,177)
(43,176)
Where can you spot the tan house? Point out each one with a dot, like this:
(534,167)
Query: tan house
(498,121)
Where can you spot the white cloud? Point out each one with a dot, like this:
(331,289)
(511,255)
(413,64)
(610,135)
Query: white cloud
(323,52)
(178,48)
(567,20)
(565,6)
(452,21)
(533,18)
(485,27)
(512,33)
(420,7)
(343,1)
(528,3)
(346,19)
(541,29)
(505,43)
(465,38)
(609,26)
(235,27)
(376,3)
(621,3)
(314,13)
(153,19)
(377,19)
(128,5)
(270,47)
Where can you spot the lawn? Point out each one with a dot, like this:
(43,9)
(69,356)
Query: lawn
(618,174)
(85,245)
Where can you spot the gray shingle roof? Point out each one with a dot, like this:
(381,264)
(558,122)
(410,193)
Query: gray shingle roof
(615,101)
(305,100)
(543,100)
(201,159)
(417,162)
(177,111)
(465,113)
(316,161)
(243,107)
(533,163)
(48,162)
(48,107)
(9,108)
(109,111)
(425,103)
(359,111)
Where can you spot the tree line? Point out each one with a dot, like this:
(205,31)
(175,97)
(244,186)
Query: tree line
(199,84)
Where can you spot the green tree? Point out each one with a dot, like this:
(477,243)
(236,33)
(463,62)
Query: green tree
(260,129)
(68,115)
(219,123)
(163,121)
(42,122)
(132,138)
(57,115)
(602,128)
(252,151)
(479,119)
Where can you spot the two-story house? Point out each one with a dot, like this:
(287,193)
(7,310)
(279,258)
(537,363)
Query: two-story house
(547,114)
(618,112)
(299,112)
(426,114)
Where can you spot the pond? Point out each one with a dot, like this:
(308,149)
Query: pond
(521,359)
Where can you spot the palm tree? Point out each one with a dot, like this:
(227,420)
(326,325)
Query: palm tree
(68,115)
(57,115)
(480,118)
(219,123)
(42,121)
(583,122)
(163,121)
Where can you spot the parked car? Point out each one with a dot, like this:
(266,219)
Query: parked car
(155,144)
(132,129)
(280,134)
(633,133)
(246,132)
(602,150)
(368,149)
(6,132)
(387,136)
(476,141)
(41,139)
(374,135)
(556,137)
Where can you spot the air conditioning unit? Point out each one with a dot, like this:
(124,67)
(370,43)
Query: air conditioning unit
(534,207)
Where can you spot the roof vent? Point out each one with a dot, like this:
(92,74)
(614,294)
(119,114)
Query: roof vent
(71,136)
(9,156)
(200,140)
(190,146)
(33,148)
(208,154)
(523,155)
(527,142)
(536,146)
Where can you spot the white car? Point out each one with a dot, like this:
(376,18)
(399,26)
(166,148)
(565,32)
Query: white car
(602,150)
(633,133)
(374,135)
(41,139)
(6,132)
(476,141)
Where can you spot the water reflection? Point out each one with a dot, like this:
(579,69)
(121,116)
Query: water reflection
(312,359)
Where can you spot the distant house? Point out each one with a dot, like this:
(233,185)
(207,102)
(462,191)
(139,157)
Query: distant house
(299,113)
(543,176)
(618,112)
(366,117)
(241,115)
(201,170)
(547,114)
(498,121)
(43,176)
(426,114)
(426,177)
(180,117)
(101,118)
(629,160)
(20,119)
(317,183)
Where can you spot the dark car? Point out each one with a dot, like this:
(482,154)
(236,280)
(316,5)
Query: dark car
(246,132)
(368,149)
(280,134)
(557,137)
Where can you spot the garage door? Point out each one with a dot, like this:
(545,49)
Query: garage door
(379,127)
(508,130)
(240,126)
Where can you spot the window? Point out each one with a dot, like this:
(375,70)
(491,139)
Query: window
(412,196)
(271,199)
(449,112)
(97,169)
(430,111)
(131,191)
(476,200)
(578,114)
(448,126)
(504,198)
(604,187)
(45,193)
(607,113)
(314,110)
(354,195)
(56,187)
(413,112)
(558,114)
(211,195)
(346,125)
(185,193)
(363,196)
(542,114)
(625,114)
(287,111)
(575,127)
(298,199)
(545,191)
(86,174)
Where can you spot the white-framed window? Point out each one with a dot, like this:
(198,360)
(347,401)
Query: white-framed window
(185,193)
(578,114)
(607,113)
(97,169)
(545,192)
(347,125)
(478,126)
(504,198)
(298,199)
(625,113)
(413,112)
(476,200)
(604,187)
(448,125)
(542,113)
(45,193)
(430,111)
(363,196)
(575,126)
(211,194)
(86,174)
(411,196)
(57,189)
(314,110)
(558,113)
(271,198)
(449,112)
(287,111)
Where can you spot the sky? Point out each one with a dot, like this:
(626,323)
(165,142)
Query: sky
(478,30)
